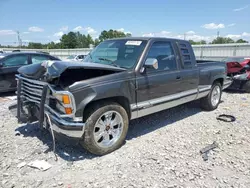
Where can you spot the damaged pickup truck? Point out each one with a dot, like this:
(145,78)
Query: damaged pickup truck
(120,80)
(238,68)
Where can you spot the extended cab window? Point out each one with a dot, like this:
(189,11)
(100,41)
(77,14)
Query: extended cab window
(163,52)
(16,60)
(186,58)
(39,58)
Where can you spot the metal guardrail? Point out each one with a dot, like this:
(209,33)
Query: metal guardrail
(207,51)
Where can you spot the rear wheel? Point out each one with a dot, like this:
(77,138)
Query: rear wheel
(212,100)
(106,128)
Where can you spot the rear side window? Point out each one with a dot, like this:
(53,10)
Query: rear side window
(186,56)
(17,60)
(164,53)
(39,58)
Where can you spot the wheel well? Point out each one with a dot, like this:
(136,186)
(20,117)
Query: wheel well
(123,101)
(220,80)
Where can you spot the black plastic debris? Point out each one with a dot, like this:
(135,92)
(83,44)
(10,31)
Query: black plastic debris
(204,152)
(226,118)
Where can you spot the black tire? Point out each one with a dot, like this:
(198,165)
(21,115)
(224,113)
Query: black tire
(92,114)
(206,102)
(246,86)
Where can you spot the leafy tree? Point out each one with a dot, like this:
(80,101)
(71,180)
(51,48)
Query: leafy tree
(222,40)
(200,42)
(89,40)
(96,42)
(112,34)
(53,45)
(69,40)
(128,34)
(241,41)
(203,42)
(83,41)
(33,45)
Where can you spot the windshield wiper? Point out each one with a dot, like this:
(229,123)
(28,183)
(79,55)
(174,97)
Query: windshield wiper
(112,62)
(104,59)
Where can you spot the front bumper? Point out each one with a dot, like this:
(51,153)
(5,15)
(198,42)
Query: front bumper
(28,110)
(71,129)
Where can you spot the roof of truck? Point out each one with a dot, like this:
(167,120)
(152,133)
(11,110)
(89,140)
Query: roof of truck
(148,38)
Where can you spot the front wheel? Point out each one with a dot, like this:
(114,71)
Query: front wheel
(105,129)
(212,100)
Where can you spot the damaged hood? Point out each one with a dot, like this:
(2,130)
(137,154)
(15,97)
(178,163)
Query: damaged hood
(49,70)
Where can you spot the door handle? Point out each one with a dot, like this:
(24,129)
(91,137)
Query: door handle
(178,77)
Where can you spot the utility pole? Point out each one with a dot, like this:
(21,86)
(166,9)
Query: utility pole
(19,39)
(218,34)
(184,36)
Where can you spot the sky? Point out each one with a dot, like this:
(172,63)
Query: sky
(47,20)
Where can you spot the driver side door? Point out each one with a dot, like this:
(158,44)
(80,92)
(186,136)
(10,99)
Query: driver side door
(158,87)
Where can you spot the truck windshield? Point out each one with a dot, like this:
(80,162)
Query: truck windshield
(121,53)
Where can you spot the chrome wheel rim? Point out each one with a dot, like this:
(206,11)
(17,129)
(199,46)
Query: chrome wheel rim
(108,129)
(215,96)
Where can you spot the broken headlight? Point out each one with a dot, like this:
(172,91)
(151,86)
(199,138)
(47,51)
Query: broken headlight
(64,103)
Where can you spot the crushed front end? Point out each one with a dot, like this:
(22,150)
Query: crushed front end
(38,101)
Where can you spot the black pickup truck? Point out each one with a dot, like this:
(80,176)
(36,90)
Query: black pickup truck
(120,80)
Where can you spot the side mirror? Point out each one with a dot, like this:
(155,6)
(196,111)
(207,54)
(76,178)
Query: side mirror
(151,63)
(1,64)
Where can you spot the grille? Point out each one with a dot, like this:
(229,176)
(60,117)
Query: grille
(31,90)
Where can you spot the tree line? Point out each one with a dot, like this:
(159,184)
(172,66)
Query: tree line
(77,40)
(219,40)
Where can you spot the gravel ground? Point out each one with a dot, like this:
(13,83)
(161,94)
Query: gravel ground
(161,150)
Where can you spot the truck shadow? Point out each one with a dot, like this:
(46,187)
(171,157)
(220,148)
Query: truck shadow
(67,149)
(150,123)
(8,94)
(70,150)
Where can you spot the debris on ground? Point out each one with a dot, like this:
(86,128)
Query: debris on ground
(206,150)
(226,118)
(21,165)
(161,150)
(17,133)
(40,164)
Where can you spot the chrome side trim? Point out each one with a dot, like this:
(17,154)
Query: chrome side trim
(165,106)
(203,94)
(151,106)
(147,107)
(227,83)
(173,97)
(204,88)
(134,115)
